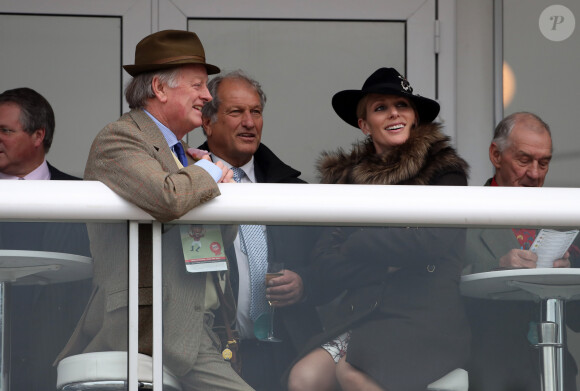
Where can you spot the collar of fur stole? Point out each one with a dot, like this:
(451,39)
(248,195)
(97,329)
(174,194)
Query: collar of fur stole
(426,154)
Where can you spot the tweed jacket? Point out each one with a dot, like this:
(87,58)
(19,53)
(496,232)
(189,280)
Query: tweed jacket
(400,286)
(500,328)
(486,247)
(132,157)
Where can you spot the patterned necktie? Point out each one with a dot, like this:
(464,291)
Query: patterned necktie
(253,243)
(525,237)
(178,148)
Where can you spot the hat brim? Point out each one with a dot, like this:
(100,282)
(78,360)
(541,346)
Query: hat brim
(135,70)
(345,103)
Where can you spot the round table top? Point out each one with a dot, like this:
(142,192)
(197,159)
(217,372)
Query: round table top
(24,267)
(523,284)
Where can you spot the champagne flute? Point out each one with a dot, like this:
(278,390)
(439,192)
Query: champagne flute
(275,269)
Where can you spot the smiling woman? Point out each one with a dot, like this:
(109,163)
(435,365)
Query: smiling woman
(387,120)
(400,307)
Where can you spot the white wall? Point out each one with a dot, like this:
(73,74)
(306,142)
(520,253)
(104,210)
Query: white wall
(78,73)
(475,119)
(546,77)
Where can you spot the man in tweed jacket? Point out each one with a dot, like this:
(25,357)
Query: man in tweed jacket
(138,157)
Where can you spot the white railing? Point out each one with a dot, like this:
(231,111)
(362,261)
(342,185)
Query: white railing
(289,204)
(308,204)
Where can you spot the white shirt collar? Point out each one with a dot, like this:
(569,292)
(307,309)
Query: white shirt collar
(248,168)
(39,173)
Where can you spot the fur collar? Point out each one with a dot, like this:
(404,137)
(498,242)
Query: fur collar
(425,156)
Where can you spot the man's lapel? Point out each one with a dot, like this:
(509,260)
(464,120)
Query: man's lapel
(499,241)
(154,137)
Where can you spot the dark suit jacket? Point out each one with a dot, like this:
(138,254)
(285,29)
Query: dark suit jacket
(44,317)
(57,237)
(57,175)
(132,157)
(502,358)
(288,244)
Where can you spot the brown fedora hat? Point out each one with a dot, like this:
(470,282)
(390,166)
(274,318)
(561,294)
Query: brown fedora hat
(167,49)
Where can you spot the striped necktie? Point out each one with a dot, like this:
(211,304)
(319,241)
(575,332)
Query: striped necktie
(253,243)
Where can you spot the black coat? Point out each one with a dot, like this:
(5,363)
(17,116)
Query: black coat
(57,175)
(291,245)
(43,317)
(402,301)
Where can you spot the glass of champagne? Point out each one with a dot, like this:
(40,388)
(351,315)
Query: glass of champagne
(275,269)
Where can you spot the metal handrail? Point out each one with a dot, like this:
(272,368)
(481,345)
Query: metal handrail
(308,204)
(289,204)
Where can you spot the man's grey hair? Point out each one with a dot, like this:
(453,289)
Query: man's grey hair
(210,109)
(504,128)
(139,89)
(35,112)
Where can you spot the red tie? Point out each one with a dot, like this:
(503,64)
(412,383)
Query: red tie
(525,237)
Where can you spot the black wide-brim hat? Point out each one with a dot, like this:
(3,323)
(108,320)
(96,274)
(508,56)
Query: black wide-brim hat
(385,81)
(168,49)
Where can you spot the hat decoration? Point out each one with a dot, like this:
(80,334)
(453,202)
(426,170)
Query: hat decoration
(385,81)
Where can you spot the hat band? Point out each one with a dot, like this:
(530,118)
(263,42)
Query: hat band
(383,86)
(179,58)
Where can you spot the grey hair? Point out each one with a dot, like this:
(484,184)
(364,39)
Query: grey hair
(210,109)
(139,89)
(35,112)
(504,128)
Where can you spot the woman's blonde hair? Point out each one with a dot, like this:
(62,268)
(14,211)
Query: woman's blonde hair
(361,107)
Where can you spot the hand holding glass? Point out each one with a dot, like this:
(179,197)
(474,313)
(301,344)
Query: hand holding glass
(274,270)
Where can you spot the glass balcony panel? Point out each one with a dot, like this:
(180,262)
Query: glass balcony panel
(47,271)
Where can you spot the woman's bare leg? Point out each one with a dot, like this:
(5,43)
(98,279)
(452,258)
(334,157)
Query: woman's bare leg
(351,379)
(315,372)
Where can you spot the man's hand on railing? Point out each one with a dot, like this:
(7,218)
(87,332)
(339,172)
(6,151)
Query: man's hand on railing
(227,174)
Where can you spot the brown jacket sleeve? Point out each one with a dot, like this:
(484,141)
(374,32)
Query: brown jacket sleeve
(132,157)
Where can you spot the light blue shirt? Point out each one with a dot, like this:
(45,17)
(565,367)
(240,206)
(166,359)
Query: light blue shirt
(209,167)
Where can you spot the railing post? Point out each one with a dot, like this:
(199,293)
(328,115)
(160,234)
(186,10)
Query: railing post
(133,329)
(157,308)
(5,336)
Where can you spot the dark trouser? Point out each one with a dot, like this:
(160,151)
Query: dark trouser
(263,363)
(43,319)
(502,357)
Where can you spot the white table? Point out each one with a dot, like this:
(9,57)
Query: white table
(23,267)
(552,286)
